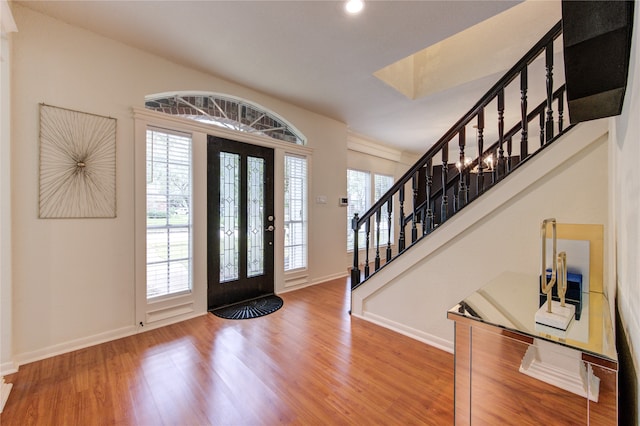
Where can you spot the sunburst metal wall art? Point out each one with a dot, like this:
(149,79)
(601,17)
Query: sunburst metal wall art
(77,164)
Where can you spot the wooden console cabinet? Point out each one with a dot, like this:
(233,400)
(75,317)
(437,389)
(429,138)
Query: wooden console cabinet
(509,370)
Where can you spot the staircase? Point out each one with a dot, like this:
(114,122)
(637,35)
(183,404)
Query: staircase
(455,232)
(447,179)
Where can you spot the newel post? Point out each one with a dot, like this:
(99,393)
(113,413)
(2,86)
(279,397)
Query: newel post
(355,272)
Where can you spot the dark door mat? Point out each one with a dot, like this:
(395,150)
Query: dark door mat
(253,308)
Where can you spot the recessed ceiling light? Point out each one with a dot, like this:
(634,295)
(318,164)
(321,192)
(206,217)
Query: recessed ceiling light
(354,6)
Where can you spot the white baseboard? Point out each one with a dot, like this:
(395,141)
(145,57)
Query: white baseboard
(429,339)
(314,282)
(296,281)
(168,321)
(74,345)
(85,342)
(180,312)
(330,277)
(7,368)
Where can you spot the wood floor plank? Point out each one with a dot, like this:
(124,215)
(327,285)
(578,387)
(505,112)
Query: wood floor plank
(308,363)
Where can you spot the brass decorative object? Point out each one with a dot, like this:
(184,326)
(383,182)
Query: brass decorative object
(552,313)
(547,287)
(562,271)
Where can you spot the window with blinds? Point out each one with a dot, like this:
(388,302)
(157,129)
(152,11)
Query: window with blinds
(382,183)
(362,187)
(295,212)
(168,170)
(359,195)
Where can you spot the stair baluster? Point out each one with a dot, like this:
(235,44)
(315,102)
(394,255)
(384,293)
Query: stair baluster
(480,127)
(560,111)
(524,142)
(445,178)
(542,128)
(509,154)
(367,226)
(401,238)
(494,166)
(428,226)
(414,217)
(462,190)
(549,67)
(377,260)
(389,211)
(500,155)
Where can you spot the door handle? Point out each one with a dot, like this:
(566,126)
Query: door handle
(270,228)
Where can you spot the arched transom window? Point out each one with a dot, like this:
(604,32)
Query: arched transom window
(226,111)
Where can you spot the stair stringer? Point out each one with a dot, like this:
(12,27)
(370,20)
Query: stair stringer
(497,232)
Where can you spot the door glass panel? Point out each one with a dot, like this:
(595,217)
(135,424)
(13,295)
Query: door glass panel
(229,226)
(255,216)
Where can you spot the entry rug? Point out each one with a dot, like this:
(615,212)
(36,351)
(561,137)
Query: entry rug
(251,308)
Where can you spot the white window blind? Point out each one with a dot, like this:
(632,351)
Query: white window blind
(382,183)
(169,257)
(295,212)
(362,187)
(359,194)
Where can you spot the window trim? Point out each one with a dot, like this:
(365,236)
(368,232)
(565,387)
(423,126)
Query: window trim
(173,309)
(238,108)
(372,200)
(168,227)
(167,309)
(305,220)
(181,124)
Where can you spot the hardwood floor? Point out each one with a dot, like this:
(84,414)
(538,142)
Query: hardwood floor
(308,363)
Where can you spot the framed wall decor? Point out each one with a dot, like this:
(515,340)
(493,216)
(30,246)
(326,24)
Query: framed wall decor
(77,164)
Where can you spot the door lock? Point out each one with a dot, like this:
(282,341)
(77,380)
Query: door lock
(270,228)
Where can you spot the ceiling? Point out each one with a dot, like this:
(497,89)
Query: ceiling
(313,55)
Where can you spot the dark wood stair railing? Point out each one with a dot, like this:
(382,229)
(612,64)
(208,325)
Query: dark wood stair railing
(434,189)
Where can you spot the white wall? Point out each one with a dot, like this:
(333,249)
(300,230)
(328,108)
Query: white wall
(626,152)
(499,232)
(73,279)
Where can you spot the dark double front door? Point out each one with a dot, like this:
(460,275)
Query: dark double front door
(240,221)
